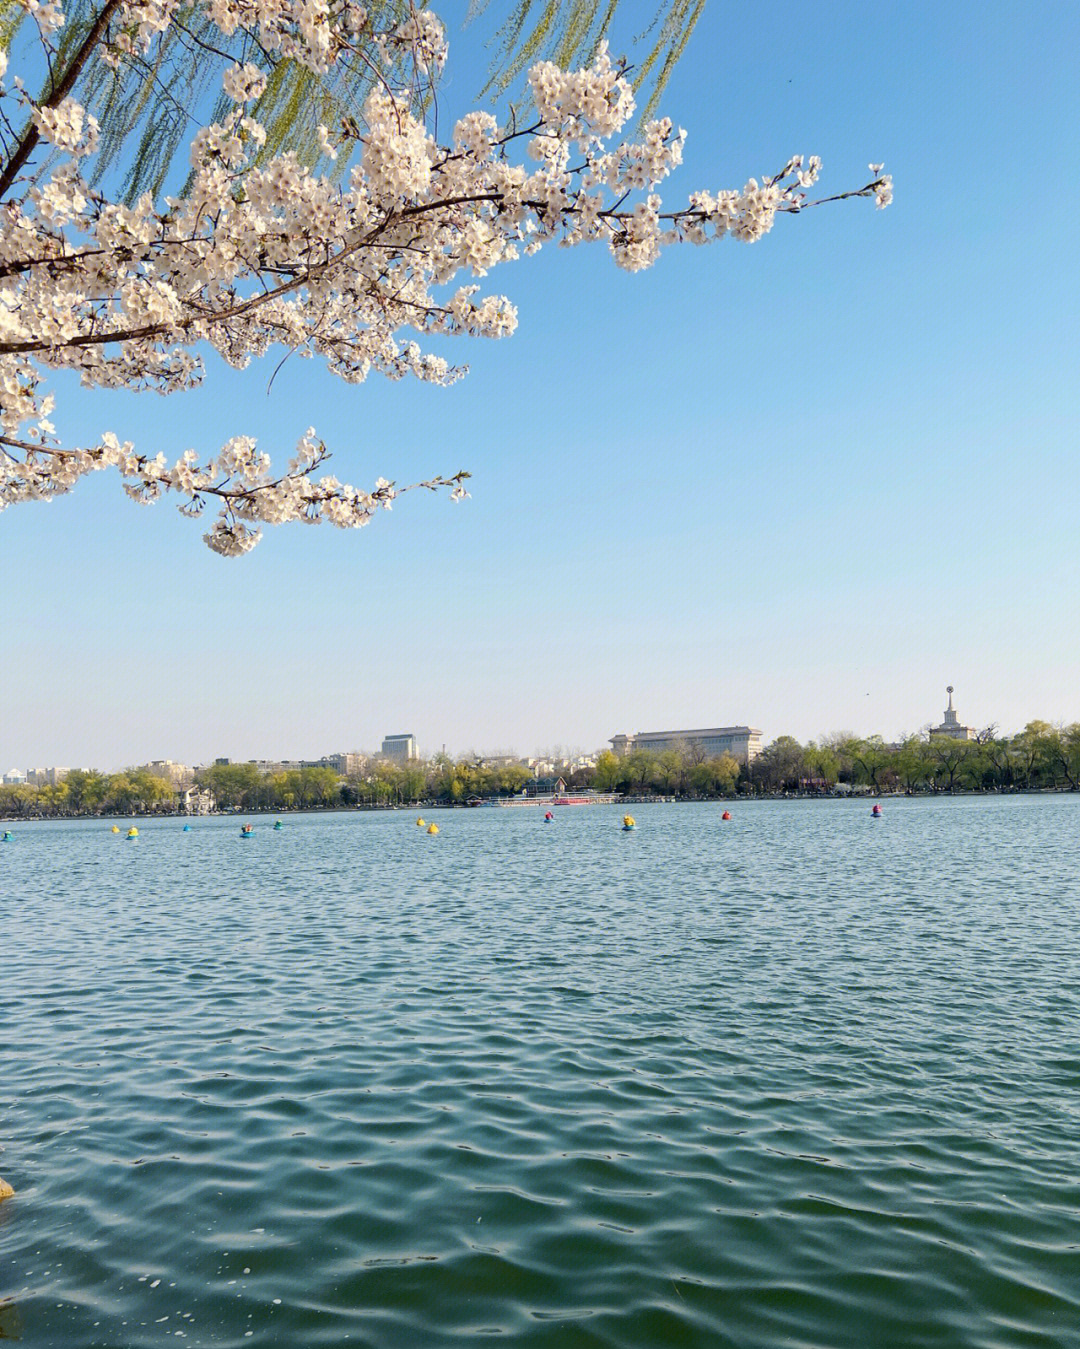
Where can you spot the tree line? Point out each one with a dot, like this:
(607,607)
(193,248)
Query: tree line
(383,783)
(136,791)
(1040,757)
(244,786)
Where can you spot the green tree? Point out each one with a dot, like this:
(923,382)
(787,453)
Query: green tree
(823,763)
(715,777)
(151,791)
(19,799)
(912,763)
(869,760)
(951,761)
(1070,748)
(387,777)
(780,766)
(53,797)
(266,793)
(641,768)
(320,786)
(669,768)
(413,781)
(1060,751)
(608,772)
(513,779)
(999,761)
(231,783)
(1033,750)
(85,791)
(119,794)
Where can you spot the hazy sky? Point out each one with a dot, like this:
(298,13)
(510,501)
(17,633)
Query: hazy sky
(802,484)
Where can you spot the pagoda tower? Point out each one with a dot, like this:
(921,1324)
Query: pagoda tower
(951,726)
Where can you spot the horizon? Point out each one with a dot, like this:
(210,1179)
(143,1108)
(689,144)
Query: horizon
(560,752)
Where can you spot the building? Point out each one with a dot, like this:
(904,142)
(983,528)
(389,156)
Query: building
(742,742)
(400,748)
(344,765)
(46,777)
(950,727)
(347,765)
(196,801)
(178,774)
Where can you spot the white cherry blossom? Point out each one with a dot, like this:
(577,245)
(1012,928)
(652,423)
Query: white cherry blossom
(357,270)
(243,83)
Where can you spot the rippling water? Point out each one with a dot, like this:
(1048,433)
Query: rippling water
(801,1079)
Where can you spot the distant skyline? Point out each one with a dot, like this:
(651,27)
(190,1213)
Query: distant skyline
(803,484)
(558,749)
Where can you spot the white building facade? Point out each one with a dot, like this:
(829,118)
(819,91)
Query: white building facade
(400,748)
(742,742)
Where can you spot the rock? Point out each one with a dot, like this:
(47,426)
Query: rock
(5,1189)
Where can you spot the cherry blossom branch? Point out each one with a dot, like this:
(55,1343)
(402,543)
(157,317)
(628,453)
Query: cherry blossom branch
(263,252)
(57,94)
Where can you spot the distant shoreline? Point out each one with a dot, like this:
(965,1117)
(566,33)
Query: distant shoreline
(858,796)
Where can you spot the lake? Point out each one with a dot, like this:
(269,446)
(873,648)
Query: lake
(800,1079)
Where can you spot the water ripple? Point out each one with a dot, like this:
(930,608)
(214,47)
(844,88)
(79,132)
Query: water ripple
(798,1080)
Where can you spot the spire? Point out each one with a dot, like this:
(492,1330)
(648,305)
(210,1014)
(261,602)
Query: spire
(951,725)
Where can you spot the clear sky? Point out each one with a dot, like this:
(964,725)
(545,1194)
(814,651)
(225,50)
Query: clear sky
(802,484)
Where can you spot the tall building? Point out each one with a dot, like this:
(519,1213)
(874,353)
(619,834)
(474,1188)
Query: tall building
(400,748)
(950,727)
(46,777)
(744,742)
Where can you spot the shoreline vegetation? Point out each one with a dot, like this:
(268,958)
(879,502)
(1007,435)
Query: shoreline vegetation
(859,794)
(1040,758)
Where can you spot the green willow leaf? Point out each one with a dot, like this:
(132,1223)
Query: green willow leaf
(149,107)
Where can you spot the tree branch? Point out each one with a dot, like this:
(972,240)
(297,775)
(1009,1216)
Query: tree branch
(58,93)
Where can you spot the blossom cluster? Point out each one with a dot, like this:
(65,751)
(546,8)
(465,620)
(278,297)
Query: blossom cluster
(352,269)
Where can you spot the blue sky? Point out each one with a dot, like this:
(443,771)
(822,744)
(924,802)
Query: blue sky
(802,484)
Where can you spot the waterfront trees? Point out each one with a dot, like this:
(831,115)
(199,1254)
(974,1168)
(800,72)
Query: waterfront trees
(1067,755)
(134,791)
(85,791)
(869,759)
(16,799)
(999,760)
(951,761)
(670,768)
(1039,757)
(351,261)
(823,764)
(607,772)
(1033,750)
(230,783)
(781,766)
(1045,755)
(640,768)
(913,769)
(716,776)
